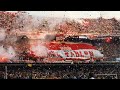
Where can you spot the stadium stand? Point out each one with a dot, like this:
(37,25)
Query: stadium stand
(16,22)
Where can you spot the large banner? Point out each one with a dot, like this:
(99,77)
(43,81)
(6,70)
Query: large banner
(61,52)
(58,52)
(73,50)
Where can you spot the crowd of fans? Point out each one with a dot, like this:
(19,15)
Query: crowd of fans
(61,71)
(20,22)
(20,19)
(6,19)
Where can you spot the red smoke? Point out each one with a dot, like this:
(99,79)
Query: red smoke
(3,60)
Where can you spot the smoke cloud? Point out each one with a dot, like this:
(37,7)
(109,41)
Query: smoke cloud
(40,50)
(2,34)
(8,54)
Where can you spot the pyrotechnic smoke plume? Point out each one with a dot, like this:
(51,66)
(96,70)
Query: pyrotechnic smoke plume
(9,53)
(39,50)
(2,34)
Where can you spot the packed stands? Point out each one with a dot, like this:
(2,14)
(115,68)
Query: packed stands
(61,71)
(14,23)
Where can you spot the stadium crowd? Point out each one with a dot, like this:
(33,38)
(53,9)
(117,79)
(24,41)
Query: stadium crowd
(100,25)
(61,71)
(20,20)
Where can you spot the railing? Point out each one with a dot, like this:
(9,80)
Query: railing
(106,76)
